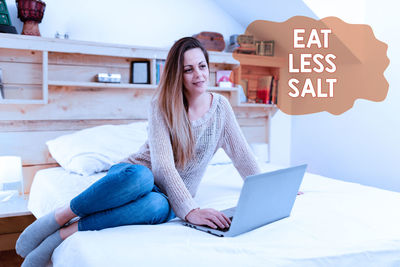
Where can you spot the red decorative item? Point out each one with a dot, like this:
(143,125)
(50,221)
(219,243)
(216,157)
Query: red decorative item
(31,13)
(262,96)
(212,41)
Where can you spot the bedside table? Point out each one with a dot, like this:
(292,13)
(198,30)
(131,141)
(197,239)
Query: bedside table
(14,218)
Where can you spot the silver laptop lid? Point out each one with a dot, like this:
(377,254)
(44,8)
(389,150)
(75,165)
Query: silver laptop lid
(266,198)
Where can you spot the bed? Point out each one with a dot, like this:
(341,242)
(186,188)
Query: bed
(334,223)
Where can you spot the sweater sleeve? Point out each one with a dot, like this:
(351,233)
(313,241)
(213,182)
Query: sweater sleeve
(236,146)
(163,166)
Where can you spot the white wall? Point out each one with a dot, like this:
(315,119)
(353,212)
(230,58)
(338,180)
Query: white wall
(159,23)
(150,23)
(361,145)
(248,11)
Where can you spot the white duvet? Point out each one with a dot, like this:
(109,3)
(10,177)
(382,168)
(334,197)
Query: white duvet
(334,223)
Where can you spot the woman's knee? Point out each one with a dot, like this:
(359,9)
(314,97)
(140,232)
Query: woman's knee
(158,208)
(134,176)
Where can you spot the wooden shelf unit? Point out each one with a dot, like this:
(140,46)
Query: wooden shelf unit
(54,92)
(47,63)
(122,85)
(252,68)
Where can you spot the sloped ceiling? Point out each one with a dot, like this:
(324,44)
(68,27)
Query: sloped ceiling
(245,12)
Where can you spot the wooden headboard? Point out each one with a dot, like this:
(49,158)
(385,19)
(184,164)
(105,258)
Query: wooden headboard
(49,90)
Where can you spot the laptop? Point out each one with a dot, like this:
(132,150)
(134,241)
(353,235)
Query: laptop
(264,198)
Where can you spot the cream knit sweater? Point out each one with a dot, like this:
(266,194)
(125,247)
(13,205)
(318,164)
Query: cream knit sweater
(216,128)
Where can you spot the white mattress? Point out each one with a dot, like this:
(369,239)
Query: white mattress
(334,223)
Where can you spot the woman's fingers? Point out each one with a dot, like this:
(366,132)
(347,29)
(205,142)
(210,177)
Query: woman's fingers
(222,217)
(210,223)
(217,221)
(211,218)
(223,221)
(227,221)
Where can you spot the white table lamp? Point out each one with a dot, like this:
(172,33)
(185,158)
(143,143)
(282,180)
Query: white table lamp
(10,176)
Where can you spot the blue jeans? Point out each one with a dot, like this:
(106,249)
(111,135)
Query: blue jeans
(126,195)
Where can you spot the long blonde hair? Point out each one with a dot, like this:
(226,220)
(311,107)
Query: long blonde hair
(172,101)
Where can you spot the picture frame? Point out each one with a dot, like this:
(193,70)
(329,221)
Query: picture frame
(269,48)
(140,72)
(265,48)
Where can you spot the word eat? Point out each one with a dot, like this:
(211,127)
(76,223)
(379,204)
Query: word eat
(313,39)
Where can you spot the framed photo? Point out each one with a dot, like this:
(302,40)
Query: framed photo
(268,48)
(265,48)
(140,72)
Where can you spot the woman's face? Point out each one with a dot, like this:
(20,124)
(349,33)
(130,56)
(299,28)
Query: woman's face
(195,71)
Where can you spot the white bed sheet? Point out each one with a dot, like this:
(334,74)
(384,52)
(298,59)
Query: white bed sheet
(334,223)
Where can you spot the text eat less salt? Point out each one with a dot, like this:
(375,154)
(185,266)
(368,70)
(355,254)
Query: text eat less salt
(305,62)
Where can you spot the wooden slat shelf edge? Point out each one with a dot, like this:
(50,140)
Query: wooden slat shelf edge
(262,61)
(222,89)
(23,101)
(124,85)
(13,41)
(255,105)
(102,85)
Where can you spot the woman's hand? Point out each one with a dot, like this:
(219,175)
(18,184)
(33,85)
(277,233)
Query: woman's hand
(208,217)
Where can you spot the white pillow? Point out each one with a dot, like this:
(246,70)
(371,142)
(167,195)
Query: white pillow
(96,149)
(220,157)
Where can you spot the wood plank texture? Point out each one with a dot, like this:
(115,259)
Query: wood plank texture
(7,241)
(9,258)
(15,224)
(11,228)
(76,101)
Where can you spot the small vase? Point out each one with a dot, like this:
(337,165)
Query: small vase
(31,28)
(31,13)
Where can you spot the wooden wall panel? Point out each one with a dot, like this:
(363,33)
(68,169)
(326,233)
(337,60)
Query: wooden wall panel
(21,73)
(84,104)
(28,139)
(18,55)
(22,91)
(31,146)
(88,60)
(25,128)
(84,73)
(56,125)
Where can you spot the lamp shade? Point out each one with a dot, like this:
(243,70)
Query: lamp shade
(10,169)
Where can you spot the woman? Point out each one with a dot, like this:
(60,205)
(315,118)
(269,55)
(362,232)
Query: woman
(187,125)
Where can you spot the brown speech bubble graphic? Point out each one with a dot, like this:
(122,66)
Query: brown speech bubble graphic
(328,63)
